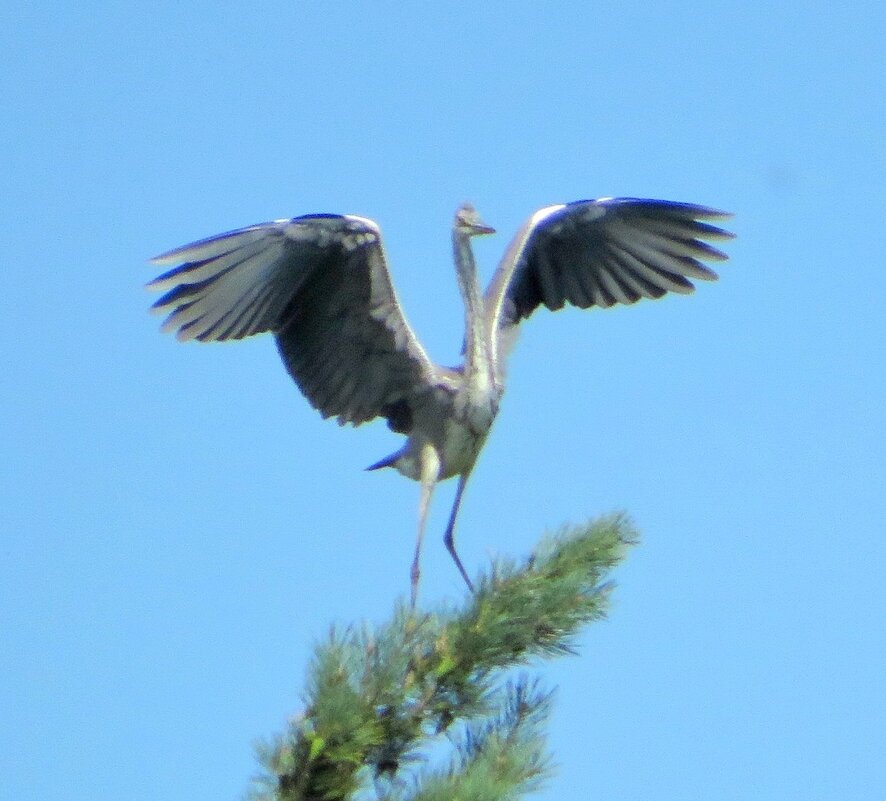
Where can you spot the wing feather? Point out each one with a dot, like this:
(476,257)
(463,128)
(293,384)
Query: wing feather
(640,285)
(320,284)
(661,259)
(600,253)
(609,279)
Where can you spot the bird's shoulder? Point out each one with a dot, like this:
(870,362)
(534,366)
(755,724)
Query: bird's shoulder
(347,231)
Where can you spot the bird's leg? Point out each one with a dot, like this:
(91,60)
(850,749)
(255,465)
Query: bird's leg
(449,537)
(430,472)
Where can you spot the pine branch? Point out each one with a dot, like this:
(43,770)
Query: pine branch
(376,697)
(494,757)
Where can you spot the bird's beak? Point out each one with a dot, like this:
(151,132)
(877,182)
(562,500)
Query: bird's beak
(481,229)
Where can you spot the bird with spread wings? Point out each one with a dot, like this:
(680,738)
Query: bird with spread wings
(320,284)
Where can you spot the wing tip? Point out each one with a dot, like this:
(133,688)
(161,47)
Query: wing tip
(160,283)
(169,257)
(714,214)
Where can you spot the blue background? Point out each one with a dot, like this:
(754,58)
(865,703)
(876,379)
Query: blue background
(179,526)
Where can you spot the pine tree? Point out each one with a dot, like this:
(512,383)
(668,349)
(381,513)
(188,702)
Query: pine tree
(432,706)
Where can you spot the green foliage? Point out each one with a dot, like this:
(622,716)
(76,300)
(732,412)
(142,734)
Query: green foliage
(378,699)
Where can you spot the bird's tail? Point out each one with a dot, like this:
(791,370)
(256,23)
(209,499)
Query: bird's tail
(388,461)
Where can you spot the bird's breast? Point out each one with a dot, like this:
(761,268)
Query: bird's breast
(461,446)
(465,433)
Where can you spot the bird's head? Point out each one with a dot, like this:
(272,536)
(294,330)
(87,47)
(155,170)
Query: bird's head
(469,222)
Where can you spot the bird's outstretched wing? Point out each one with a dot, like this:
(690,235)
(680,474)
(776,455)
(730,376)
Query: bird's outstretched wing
(599,253)
(320,284)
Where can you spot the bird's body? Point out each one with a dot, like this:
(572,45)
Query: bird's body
(455,422)
(320,284)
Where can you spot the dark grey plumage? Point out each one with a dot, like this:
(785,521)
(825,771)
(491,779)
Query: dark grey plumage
(320,284)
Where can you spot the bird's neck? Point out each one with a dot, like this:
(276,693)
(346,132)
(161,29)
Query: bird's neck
(477,363)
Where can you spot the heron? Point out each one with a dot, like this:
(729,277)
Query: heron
(320,284)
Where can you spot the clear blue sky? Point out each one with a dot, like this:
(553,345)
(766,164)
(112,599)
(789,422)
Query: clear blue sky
(179,527)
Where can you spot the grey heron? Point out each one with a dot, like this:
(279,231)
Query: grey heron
(320,284)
